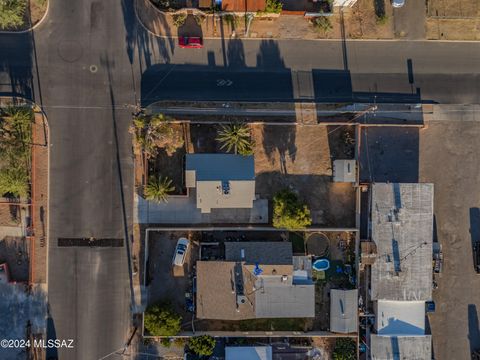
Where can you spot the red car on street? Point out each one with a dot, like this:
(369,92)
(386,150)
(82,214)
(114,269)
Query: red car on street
(190,42)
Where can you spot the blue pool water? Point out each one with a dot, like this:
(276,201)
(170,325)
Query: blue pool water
(321,264)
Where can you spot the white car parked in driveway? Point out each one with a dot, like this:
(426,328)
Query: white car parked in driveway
(180,252)
(398,3)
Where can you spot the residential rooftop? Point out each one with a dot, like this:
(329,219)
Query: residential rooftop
(402,229)
(248,289)
(401,347)
(344,311)
(221,180)
(259,252)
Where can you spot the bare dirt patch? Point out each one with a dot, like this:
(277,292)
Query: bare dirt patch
(299,158)
(453,8)
(453,29)
(10,215)
(453,20)
(171,166)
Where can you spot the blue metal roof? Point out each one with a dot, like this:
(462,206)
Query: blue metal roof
(211,167)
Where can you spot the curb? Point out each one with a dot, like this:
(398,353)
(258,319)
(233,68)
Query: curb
(290,39)
(32,27)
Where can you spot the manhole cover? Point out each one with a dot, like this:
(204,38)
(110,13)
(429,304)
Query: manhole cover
(70,51)
(93,69)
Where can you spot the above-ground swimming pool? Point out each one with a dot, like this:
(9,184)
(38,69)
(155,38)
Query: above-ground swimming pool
(321,264)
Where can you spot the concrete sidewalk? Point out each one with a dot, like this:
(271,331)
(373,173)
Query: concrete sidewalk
(40,169)
(183,210)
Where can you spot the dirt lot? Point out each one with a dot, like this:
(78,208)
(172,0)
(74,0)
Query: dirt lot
(453,8)
(299,157)
(164,282)
(172,167)
(453,19)
(10,215)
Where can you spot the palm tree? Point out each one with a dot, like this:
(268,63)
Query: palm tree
(236,137)
(158,188)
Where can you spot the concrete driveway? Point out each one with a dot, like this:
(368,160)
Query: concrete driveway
(409,20)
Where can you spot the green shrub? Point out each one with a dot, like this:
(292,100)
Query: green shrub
(12,13)
(180,342)
(288,212)
(179,19)
(14,181)
(165,342)
(202,345)
(322,23)
(232,20)
(161,320)
(272,7)
(382,19)
(15,150)
(345,349)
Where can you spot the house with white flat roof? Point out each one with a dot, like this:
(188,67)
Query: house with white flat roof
(221,180)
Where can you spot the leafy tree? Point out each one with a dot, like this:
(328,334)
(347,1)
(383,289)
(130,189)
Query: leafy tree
(288,212)
(12,13)
(345,349)
(202,345)
(161,320)
(14,181)
(155,132)
(157,189)
(236,137)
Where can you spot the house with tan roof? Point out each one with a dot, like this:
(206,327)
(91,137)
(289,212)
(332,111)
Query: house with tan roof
(256,280)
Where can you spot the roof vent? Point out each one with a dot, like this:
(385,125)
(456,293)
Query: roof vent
(241,300)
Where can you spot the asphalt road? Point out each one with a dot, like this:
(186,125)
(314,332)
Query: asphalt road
(89,61)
